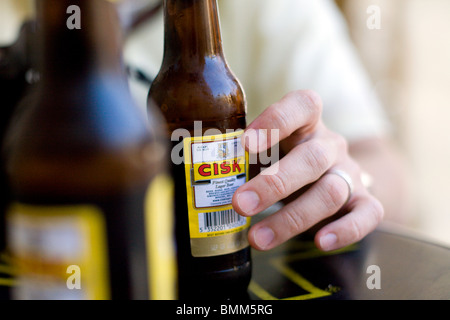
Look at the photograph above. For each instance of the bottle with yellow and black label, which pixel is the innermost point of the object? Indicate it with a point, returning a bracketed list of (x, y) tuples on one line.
[(91, 217), (205, 109)]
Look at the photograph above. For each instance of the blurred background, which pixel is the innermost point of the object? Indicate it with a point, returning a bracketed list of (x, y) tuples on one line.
[(408, 59)]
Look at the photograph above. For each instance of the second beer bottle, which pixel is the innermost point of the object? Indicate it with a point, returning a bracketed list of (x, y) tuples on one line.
[(205, 109), (91, 217)]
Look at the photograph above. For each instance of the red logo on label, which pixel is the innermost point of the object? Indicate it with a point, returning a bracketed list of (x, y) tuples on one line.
[(223, 168)]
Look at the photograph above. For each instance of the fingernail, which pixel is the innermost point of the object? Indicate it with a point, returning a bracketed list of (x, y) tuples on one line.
[(248, 201), (327, 242), (264, 237), (255, 140)]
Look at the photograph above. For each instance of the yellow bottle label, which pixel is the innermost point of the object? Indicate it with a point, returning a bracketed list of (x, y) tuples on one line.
[(160, 239), (60, 252), (215, 167)]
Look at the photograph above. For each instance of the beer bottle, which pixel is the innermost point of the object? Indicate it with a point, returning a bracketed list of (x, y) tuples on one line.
[(86, 168), (13, 69), (204, 106)]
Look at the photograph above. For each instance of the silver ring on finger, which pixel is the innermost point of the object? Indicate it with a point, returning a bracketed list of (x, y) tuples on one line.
[(348, 180)]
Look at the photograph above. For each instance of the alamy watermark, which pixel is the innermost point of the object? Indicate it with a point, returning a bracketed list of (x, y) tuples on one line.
[(373, 22), (74, 20), (74, 280), (258, 142), (374, 280)]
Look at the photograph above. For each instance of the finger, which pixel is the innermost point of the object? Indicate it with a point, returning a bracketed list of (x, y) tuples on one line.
[(303, 165), (297, 111), (352, 227), (322, 200)]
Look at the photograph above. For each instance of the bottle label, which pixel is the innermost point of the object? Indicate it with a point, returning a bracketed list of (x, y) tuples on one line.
[(160, 239), (215, 167), (59, 252)]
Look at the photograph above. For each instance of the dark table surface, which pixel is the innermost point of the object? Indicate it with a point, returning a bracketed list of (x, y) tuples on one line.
[(401, 265), (385, 265)]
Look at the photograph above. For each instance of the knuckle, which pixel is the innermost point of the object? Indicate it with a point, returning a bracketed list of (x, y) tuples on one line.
[(376, 210), (316, 157), (294, 221), (310, 102), (277, 183), (279, 117), (341, 142), (355, 230), (333, 192)]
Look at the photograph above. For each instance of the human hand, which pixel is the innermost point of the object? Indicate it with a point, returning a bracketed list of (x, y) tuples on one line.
[(314, 155)]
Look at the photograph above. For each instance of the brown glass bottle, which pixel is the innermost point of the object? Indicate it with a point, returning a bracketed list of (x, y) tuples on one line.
[(196, 84), (14, 64), (83, 163)]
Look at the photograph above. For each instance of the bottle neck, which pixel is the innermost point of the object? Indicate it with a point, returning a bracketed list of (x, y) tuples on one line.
[(77, 37), (192, 31)]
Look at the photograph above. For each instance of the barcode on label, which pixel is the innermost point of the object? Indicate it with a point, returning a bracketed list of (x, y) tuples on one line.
[(220, 220)]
